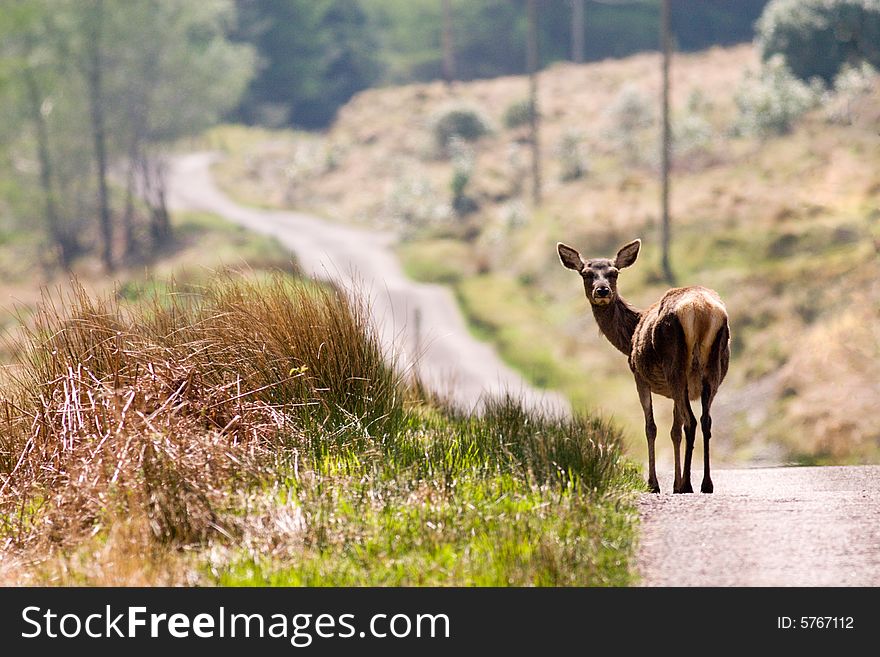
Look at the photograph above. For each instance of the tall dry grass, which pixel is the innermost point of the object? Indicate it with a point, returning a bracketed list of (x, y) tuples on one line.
[(162, 411)]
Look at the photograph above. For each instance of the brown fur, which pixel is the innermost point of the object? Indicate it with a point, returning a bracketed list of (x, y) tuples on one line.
[(677, 348)]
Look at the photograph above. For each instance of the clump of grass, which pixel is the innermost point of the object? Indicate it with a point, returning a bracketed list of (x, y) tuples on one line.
[(161, 408)]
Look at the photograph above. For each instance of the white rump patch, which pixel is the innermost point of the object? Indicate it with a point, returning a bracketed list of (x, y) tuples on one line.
[(702, 314)]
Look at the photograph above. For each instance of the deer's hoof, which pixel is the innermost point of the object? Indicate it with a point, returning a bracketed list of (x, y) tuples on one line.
[(686, 488), (707, 487), (653, 486)]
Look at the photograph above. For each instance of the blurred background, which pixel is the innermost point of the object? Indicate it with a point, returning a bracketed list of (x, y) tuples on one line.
[(482, 132)]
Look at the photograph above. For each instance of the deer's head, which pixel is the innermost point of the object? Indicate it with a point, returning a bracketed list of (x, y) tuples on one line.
[(599, 274)]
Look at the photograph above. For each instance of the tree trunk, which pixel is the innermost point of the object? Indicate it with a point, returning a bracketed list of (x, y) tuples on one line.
[(666, 142), (128, 236), (532, 65), (448, 44), (66, 247), (96, 101), (154, 187), (577, 31)]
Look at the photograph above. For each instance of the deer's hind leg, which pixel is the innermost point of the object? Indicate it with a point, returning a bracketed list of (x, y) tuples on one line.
[(706, 424), (674, 356), (690, 435)]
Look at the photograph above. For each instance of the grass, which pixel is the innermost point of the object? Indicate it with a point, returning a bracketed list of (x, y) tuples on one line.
[(251, 431), (505, 499)]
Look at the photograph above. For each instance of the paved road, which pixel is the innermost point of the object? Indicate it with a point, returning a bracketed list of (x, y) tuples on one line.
[(452, 361), (766, 527)]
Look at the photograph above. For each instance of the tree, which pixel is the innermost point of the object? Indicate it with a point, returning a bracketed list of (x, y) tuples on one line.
[(315, 55), (114, 81), (665, 141), (448, 43), (532, 65), (179, 74), (817, 37), (490, 34), (578, 27), (27, 36), (92, 32)]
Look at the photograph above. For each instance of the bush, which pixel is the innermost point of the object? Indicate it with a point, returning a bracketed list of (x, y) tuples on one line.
[(465, 123), (517, 114), (462, 157), (817, 37), (850, 85), (770, 102), (691, 137), (629, 113), (571, 156)]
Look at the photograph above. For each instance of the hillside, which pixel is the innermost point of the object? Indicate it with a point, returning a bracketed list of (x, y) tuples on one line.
[(784, 227)]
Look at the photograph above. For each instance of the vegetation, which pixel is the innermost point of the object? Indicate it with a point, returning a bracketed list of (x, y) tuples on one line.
[(315, 55), (517, 114), (489, 36), (458, 122), (93, 88), (771, 101), (253, 432), (571, 157), (818, 37)]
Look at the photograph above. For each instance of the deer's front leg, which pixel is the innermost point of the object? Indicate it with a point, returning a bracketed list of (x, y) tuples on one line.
[(650, 432)]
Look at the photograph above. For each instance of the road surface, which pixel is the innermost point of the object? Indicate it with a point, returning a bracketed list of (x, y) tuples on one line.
[(816, 526), (452, 361)]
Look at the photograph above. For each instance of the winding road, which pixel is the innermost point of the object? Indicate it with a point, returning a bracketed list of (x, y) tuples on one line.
[(452, 362), (762, 527)]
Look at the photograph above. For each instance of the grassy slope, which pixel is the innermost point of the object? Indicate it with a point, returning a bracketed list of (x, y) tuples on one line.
[(250, 448), (784, 228)]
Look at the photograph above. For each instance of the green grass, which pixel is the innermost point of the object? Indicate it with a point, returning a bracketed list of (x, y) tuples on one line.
[(511, 498), (444, 261)]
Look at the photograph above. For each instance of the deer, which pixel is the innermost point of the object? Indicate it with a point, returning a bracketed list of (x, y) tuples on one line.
[(678, 348)]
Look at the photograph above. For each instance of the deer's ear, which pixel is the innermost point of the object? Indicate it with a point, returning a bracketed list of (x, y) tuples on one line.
[(628, 254), (570, 257)]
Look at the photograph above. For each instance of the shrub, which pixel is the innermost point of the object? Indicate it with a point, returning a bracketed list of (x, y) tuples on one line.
[(770, 101), (629, 113), (517, 114), (465, 123), (850, 85), (691, 137), (818, 37), (462, 157), (571, 156)]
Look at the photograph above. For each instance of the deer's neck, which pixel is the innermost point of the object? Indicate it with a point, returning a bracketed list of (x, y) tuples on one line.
[(618, 321)]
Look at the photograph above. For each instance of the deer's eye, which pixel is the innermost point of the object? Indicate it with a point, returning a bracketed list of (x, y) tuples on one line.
[(612, 275)]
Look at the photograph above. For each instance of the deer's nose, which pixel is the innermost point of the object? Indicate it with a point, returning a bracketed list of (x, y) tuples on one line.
[(603, 291)]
